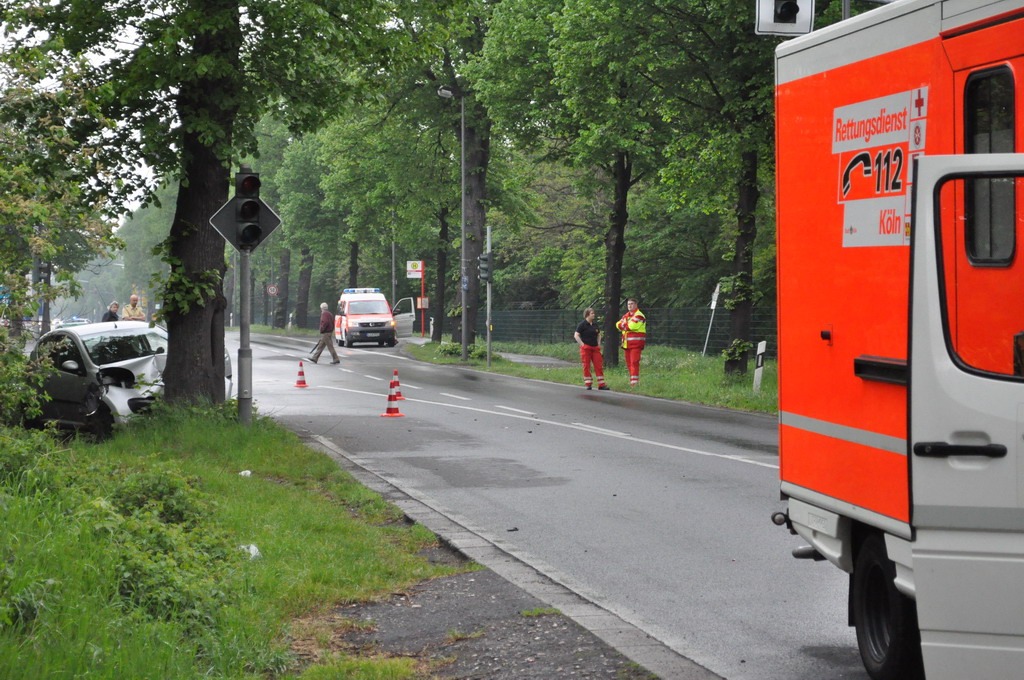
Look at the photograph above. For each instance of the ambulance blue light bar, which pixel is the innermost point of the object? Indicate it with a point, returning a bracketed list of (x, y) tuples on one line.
[(360, 290)]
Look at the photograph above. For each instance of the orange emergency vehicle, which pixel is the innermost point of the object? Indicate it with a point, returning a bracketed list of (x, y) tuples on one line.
[(901, 319)]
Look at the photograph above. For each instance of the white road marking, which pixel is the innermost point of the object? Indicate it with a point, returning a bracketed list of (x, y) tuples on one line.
[(515, 410), (594, 428), (373, 377), (572, 426)]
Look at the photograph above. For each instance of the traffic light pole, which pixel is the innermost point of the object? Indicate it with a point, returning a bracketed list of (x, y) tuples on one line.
[(244, 350)]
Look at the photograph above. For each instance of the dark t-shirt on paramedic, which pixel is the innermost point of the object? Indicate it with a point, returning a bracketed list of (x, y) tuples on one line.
[(588, 333)]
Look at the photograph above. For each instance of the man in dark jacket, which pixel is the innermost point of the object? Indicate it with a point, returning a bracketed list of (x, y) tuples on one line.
[(326, 333)]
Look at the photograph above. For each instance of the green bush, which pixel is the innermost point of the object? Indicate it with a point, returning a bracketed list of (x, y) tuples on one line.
[(172, 497), (454, 349)]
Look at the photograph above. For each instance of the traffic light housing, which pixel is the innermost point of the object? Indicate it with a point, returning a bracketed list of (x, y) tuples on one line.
[(786, 11), (485, 267), (248, 210), (784, 17)]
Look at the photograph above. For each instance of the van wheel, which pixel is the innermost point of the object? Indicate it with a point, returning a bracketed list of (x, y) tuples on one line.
[(885, 619)]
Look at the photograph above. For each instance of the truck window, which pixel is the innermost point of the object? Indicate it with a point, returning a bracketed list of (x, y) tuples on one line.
[(990, 203)]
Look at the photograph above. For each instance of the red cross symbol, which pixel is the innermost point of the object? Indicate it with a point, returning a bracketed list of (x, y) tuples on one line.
[(919, 102)]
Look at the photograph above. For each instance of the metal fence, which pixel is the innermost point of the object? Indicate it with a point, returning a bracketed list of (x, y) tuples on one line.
[(681, 327)]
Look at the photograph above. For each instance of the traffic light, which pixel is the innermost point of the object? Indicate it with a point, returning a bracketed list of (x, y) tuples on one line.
[(485, 267), (786, 11), (248, 209), (784, 17)]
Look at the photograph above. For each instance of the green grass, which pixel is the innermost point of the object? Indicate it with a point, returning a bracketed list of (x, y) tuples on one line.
[(95, 583), (665, 372)]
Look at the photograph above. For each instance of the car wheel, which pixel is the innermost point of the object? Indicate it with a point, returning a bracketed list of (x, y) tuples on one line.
[(348, 343), (101, 423), (380, 343), (885, 619), (392, 343)]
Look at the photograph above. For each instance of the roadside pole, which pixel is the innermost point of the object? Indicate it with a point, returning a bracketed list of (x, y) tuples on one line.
[(245, 221), (489, 299), (714, 303), (244, 349)]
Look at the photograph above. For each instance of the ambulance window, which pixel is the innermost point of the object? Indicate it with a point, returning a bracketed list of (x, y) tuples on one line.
[(990, 203)]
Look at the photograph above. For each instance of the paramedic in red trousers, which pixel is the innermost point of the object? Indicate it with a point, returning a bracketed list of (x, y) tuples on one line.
[(326, 333), (590, 350), (633, 326)]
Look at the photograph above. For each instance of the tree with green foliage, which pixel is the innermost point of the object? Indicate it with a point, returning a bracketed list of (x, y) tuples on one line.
[(564, 78), (716, 84), (186, 82), (51, 210)]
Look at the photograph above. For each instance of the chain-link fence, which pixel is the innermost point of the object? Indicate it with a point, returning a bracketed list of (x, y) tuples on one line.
[(688, 327)]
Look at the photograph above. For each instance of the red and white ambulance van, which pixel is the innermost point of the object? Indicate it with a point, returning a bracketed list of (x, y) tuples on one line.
[(364, 315), (899, 135)]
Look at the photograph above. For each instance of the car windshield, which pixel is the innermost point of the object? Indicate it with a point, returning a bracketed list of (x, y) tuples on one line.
[(110, 348), (368, 307)]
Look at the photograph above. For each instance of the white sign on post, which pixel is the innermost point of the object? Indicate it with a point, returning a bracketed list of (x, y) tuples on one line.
[(414, 269)]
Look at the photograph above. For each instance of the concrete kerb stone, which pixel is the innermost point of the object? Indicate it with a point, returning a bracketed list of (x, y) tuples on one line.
[(626, 638)]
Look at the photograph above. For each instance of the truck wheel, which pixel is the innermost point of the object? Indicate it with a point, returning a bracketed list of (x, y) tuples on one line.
[(885, 618)]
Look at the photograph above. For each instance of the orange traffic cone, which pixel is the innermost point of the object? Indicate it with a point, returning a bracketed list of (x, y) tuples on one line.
[(396, 386), (301, 382), (392, 411)]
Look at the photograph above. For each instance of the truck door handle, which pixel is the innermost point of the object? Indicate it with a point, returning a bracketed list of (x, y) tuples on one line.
[(944, 450)]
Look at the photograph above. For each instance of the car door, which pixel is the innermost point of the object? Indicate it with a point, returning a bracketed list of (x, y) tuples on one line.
[(68, 384), (966, 426), (405, 317)]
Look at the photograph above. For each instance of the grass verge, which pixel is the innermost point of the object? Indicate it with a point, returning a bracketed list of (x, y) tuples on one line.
[(665, 372), (129, 559)]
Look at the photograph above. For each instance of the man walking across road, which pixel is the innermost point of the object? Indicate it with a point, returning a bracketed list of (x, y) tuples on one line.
[(633, 326), (132, 311), (326, 335)]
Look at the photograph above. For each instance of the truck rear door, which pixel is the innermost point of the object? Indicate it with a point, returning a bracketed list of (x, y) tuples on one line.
[(967, 414)]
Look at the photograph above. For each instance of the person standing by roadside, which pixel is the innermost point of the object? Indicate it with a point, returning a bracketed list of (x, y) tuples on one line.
[(111, 313), (326, 335), (132, 311), (587, 335), (633, 326)]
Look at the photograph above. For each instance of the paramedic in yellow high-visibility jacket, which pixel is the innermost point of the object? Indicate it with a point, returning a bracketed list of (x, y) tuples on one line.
[(633, 326)]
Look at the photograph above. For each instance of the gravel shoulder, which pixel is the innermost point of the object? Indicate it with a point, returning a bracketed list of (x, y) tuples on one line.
[(476, 625)]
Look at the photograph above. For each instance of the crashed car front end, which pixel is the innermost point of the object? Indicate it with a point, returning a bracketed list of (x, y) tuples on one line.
[(131, 386)]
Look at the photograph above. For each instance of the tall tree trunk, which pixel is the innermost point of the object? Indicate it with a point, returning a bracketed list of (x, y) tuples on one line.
[(281, 311), (478, 156), (438, 305), (741, 297), (305, 278), (614, 249), (353, 265), (194, 302)]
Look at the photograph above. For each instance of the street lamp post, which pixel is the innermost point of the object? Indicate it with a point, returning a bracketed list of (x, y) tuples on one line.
[(449, 93)]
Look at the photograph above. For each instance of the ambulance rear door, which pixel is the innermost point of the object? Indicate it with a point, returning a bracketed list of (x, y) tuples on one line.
[(967, 418)]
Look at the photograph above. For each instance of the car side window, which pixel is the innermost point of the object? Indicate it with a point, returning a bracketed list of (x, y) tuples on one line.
[(61, 349)]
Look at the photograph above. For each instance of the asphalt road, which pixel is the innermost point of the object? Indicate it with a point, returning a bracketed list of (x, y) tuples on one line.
[(657, 511)]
